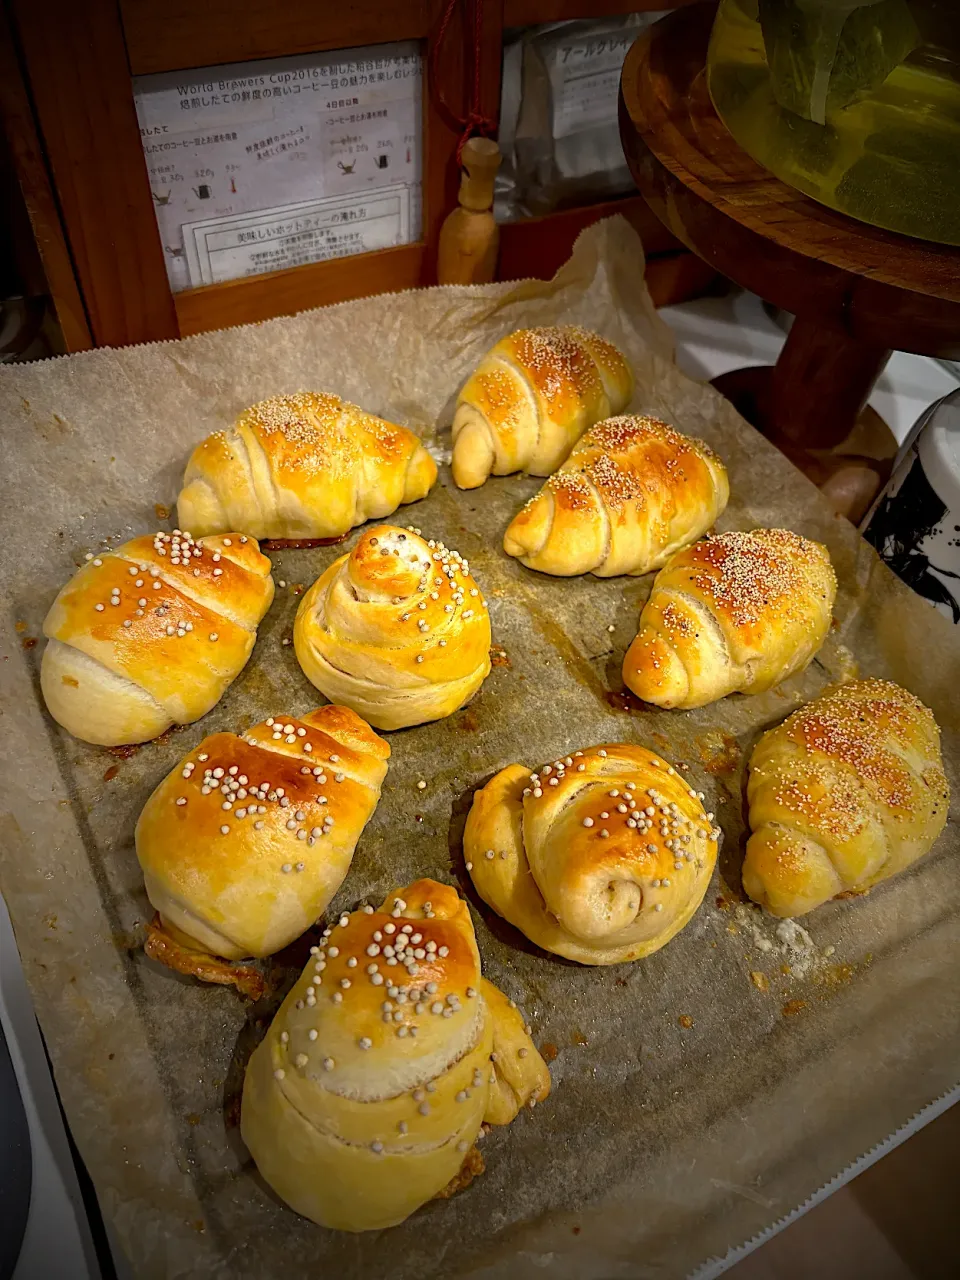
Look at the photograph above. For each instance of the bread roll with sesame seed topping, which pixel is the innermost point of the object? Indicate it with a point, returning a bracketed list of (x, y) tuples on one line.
[(151, 634), (302, 467), (531, 398), (397, 629), (248, 838), (368, 1091), (734, 613), (632, 492), (601, 857), (845, 793)]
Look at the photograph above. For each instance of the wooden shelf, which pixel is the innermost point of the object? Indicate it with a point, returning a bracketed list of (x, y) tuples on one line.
[(74, 64), (283, 293)]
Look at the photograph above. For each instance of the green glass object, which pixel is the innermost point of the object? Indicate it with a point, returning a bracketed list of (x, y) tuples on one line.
[(854, 102)]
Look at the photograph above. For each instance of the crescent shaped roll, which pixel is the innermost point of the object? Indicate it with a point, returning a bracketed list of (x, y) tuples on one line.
[(632, 492), (306, 466), (531, 398), (397, 630), (248, 838), (848, 791), (601, 857), (369, 1089), (736, 612), (151, 634)]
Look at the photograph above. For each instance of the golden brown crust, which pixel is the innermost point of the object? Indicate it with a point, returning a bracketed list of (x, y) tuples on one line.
[(531, 397), (246, 841), (303, 466), (601, 856), (734, 612), (472, 1167), (159, 945), (631, 493), (847, 792), (559, 367), (369, 1090), (173, 616), (397, 629)]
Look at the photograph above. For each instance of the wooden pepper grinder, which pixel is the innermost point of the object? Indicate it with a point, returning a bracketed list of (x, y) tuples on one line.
[(470, 237)]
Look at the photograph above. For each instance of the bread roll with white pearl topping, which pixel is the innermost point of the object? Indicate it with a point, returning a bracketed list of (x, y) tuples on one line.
[(369, 1089), (531, 398), (151, 634), (848, 791), (397, 630), (246, 841), (734, 613), (632, 492), (601, 857), (303, 467)]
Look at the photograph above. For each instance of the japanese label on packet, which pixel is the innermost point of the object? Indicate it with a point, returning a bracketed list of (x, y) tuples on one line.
[(584, 76), (257, 166)]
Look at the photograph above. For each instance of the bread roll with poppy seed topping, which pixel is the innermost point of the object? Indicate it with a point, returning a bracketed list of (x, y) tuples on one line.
[(736, 612), (366, 1095), (303, 467), (848, 791), (151, 634), (632, 492), (246, 841), (601, 857), (531, 398), (397, 630)]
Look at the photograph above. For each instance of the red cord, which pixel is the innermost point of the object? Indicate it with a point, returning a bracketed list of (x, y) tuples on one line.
[(474, 121)]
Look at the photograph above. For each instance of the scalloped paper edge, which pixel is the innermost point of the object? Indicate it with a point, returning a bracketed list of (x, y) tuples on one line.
[(710, 1268)]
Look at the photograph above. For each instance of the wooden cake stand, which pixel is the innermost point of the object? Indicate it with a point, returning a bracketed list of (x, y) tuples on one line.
[(857, 291)]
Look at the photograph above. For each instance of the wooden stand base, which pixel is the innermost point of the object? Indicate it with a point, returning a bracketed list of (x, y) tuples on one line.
[(850, 472)]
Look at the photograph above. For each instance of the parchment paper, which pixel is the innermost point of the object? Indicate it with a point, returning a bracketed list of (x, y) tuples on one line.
[(693, 1104)]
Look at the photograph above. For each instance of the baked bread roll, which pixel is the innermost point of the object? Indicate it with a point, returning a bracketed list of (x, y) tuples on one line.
[(847, 792), (397, 630), (151, 634), (632, 492), (245, 842), (601, 856), (368, 1092), (531, 398), (302, 467), (737, 612)]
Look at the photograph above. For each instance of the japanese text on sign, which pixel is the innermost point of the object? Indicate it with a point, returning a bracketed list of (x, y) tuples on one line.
[(339, 133)]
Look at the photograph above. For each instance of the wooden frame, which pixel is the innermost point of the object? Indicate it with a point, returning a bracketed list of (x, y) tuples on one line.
[(78, 57)]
